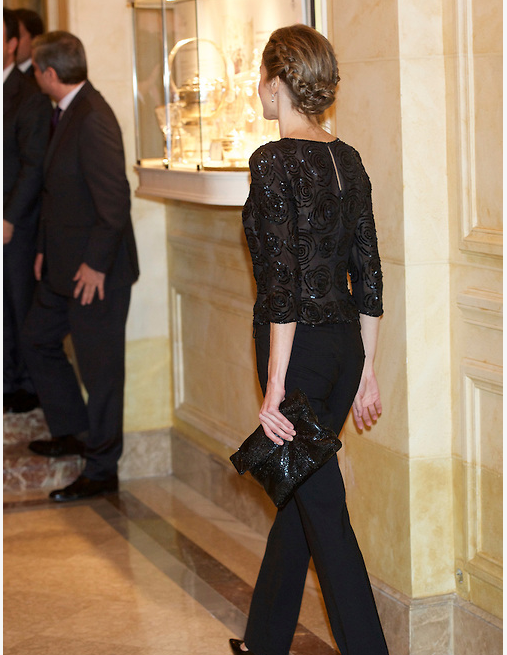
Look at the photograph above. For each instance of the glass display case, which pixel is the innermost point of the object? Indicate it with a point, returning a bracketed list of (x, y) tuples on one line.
[(196, 71)]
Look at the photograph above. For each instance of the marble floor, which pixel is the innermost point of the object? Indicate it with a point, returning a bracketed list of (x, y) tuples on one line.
[(156, 569)]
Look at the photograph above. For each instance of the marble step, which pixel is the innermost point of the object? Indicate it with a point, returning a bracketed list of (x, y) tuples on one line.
[(23, 428), (25, 471)]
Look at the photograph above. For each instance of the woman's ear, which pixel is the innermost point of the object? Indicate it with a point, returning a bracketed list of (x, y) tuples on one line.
[(274, 84)]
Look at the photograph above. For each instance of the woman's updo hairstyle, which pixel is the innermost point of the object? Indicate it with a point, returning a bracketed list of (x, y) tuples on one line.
[(305, 61)]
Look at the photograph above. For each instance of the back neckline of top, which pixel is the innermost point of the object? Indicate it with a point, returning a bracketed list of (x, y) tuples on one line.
[(295, 138)]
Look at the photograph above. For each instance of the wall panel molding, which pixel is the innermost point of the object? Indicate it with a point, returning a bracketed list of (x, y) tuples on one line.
[(226, 302), (198, 413), (474, 236), (228, 254), (482, 307), (177, 342), (481, 382)]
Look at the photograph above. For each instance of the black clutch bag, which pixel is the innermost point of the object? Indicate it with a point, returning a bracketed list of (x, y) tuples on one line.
[(282, 469)]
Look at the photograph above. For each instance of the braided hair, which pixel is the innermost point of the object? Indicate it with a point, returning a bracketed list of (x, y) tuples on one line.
[(306, 62)]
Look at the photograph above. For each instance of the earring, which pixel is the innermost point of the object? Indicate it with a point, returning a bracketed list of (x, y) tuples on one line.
[(272, 97)]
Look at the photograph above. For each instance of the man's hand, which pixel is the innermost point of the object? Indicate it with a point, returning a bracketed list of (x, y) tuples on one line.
[(37, 267), (88, 281), (8, 231)]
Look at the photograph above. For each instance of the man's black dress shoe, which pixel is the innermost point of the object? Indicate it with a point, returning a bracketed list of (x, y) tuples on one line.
[(58, 447), (83, 487), (235, 645), (20, 401)]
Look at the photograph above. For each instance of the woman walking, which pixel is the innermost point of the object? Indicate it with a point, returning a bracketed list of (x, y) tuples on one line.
[(311, 234)]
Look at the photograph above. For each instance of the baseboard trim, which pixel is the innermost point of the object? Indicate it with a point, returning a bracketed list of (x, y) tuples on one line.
[(145, 454)]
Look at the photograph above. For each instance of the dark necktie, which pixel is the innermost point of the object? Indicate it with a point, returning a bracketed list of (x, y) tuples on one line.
[(54, 120)]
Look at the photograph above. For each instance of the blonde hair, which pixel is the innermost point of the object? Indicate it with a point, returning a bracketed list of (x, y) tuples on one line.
[(306, 62)]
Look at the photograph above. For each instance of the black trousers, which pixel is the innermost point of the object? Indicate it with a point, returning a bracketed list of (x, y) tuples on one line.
[(18, 290), (98, 337), (326, 363)]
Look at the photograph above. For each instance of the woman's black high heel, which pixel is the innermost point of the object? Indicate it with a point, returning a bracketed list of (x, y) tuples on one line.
[(235, 645)]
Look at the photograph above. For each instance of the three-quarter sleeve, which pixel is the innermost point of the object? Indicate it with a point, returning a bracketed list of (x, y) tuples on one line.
[(270, 223), (364, 261)]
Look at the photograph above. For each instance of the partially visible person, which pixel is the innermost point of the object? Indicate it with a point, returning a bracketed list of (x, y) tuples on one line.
[(309, 225), (86, 263), (26, 122), (30, 26)]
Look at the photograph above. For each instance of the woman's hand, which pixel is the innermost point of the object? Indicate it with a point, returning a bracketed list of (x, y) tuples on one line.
[(276, 426), (367, 407)]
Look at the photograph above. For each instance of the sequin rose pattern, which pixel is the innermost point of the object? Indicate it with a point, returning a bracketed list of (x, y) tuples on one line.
[(311, 234)]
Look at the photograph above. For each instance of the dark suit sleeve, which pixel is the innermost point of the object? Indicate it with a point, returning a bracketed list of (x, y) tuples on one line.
[(32, 133), (41, 238), (102, 161)]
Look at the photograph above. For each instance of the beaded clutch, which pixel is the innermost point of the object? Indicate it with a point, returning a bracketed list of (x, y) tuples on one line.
[(282, 469)]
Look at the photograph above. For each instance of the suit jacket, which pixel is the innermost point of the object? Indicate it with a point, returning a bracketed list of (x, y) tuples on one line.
[(26, 121), (86, 198)]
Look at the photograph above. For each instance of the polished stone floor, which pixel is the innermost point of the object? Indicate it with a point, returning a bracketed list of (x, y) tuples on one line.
[(156, 569)]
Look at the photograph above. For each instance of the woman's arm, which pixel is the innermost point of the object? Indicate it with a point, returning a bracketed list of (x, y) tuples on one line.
[(275, 425), (367, 406)]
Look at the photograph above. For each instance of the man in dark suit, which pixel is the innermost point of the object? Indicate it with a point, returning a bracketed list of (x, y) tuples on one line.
[(30, 26), (86, 263), (26, 120)]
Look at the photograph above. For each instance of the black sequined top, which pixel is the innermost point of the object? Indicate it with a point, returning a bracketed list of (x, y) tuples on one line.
[(306, 229)]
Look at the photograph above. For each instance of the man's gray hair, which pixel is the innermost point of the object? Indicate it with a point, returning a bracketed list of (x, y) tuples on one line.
[(63, 52)]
